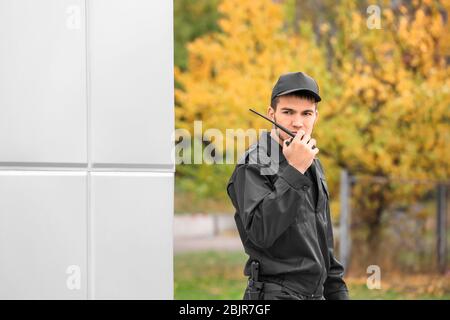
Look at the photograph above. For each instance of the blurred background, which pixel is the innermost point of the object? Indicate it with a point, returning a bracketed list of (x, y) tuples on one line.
[(384, 129)]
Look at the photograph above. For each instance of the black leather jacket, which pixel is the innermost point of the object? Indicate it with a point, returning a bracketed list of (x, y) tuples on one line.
[(280, 224)]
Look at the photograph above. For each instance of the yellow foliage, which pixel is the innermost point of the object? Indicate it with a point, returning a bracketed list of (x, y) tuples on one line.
[(235, 69), (386, 92)]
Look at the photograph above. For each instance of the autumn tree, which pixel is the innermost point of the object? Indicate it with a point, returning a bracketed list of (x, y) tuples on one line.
[(386, 92), (391, 118), (192, 19), (234, 69)]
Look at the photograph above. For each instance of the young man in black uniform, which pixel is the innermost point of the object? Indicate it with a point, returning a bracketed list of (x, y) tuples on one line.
[(280, 194)]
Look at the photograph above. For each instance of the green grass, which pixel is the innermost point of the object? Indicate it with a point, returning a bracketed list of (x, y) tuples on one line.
[(214, 275), (209, 275)]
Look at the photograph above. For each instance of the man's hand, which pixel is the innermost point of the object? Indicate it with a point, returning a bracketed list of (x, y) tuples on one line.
[(299, 152)]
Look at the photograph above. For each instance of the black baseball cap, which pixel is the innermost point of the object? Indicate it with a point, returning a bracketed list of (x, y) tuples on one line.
[(295, 81)]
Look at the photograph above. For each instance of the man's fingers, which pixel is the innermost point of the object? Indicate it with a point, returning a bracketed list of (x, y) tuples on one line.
[(299, 135), (306, 138), (311, 142)]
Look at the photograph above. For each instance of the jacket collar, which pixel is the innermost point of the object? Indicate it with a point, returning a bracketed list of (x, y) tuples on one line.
[(268, 146)]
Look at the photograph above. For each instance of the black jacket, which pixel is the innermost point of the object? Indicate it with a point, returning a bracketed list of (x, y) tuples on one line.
[(280, 224)]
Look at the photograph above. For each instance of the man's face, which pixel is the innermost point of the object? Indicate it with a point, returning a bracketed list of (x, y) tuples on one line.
[(295, 114)]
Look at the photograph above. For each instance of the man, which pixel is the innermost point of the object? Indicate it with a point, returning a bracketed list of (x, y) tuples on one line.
[(282, 211)]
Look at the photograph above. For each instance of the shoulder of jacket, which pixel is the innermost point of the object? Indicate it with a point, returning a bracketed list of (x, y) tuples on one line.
[(249, 154)]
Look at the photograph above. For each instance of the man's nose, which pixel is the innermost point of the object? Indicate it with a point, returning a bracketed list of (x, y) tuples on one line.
[(297, 122)]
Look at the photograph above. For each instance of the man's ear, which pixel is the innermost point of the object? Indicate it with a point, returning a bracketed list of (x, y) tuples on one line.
[(317, 116), (270, 113)]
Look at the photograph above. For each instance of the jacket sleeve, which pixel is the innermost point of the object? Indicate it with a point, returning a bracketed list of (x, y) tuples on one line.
[(267, 211), (334, 286)]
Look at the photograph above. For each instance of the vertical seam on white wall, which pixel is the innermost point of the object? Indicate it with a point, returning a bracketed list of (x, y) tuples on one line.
[(89, 219)]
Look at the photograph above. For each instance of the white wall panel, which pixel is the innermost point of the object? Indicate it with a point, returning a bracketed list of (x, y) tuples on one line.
[(42, 81), (131, 63), (86, 87), (132, 216), (42, 233)]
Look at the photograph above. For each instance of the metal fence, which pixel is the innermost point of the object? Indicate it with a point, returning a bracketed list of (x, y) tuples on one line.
[(414, 238)]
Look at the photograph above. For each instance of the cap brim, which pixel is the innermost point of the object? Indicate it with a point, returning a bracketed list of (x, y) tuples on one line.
[(316, 96)]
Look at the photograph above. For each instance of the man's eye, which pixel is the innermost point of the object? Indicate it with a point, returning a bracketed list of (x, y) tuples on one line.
[(286, 112)]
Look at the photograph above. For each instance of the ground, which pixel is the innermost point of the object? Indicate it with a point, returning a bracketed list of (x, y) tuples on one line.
[(218, 275)]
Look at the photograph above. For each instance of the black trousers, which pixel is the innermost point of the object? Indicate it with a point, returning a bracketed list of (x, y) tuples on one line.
[(274, 291)]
